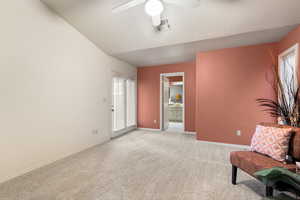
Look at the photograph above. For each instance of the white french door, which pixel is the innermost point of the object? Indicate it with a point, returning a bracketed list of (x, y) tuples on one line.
[(118, 104), (124, 105), (131, 103)]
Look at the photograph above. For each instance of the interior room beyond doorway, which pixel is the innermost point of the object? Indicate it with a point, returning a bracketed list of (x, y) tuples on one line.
[(173, 102)]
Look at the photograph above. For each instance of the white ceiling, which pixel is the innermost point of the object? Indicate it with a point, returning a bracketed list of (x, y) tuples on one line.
[(187, 51), (214, 24)]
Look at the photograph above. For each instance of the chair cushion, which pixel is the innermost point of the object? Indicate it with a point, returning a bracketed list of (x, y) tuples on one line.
[(252, 162), (294, 147)]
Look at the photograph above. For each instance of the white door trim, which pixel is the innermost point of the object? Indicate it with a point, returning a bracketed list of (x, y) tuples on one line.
[(161, 96)]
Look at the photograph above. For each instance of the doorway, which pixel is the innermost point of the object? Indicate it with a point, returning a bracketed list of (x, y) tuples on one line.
[(172, 102)]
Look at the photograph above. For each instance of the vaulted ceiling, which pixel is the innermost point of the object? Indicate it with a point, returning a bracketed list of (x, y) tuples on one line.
[(214, 24)]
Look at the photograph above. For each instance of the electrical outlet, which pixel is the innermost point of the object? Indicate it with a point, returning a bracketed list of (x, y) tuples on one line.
[(95, 131), (155, 121), (238, 132)]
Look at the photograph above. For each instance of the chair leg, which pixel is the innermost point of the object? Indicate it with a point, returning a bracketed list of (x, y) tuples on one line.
[(269, 191), (234, 174)]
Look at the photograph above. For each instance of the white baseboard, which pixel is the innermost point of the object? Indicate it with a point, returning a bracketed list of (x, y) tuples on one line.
[(122, 132), (190, 132), (149, 129), (246, 147), (158, 130)]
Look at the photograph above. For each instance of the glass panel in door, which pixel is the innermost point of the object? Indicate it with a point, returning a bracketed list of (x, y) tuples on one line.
[(131, 103), (118, 104)]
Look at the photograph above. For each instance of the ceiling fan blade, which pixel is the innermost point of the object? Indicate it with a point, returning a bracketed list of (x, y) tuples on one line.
[(184, 3), (127, 5)]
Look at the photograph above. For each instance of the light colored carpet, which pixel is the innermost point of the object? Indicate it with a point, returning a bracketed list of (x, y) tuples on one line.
[(142, 165), (175, 127)]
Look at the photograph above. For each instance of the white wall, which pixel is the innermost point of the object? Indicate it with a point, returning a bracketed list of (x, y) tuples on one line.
[(55, 88)]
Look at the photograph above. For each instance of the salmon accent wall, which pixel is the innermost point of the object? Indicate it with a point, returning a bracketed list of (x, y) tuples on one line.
[(228, 82), (221, 89), (149, 97)]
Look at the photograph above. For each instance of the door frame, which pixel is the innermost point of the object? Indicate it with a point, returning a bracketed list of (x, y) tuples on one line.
[(162, 75)]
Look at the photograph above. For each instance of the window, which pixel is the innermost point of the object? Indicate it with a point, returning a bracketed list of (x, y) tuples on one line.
[(288, 61)]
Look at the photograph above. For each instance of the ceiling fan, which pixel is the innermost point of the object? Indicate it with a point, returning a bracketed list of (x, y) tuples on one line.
[(155, 8)]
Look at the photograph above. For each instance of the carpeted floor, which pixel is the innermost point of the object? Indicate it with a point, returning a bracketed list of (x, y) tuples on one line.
[(142, 165)]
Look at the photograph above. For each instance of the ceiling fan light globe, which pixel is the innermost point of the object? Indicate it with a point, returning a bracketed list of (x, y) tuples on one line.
[(154, 7)]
